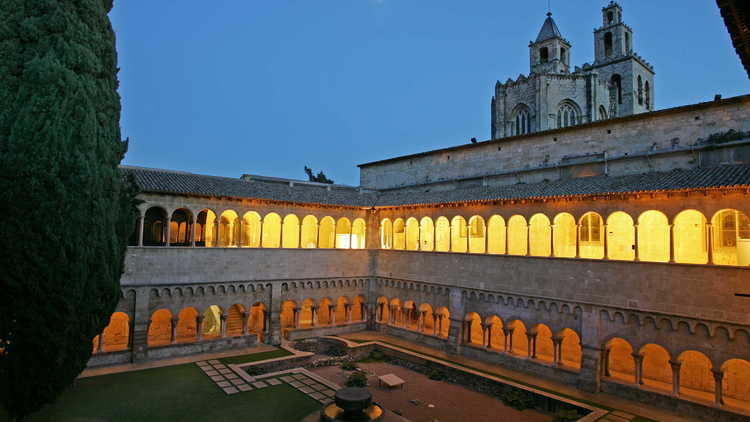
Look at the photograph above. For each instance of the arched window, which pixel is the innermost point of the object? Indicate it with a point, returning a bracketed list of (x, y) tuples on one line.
[(180, 228), (309, 236), (477, 234), (251, 230), (627, 43), (271, 230), (426, 234), (591, 236), (544, 55), (602, 113), (154, 227), (640, 90), (540, 236), (731, 238), (518, 236), (290, 232), (160, 328), (620, 237), (690, 238), (205, 229), (647, 88), (386, 234), (616, 88), (442, 235), (653, 237), (412, 234), (564, 236), (568, 114), (496, 235), (656, 372), (521, 123), (116, 335), (563, 55), (358, 234), (343, 233), (187, 325), (229, 229), (327, 233), (459, 234), (399, 235), (608, 44)]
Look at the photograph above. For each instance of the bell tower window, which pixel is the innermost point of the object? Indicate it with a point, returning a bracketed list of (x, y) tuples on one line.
[(544, 55), (610, 17), (608, 44)]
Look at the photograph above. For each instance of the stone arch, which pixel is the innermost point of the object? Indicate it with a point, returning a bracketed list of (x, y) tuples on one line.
[(116, 335), (155, 227), (251, 230), (518, 342), (343, 233), (386, 234), (339, 316), (271, 237), (309, 232), (540, 236), (290, 230), (653, 237), (399, 234), (496, 235), (442, 234), (229, 229), (412, 234), (518, 236), (181, 227), (619, 361), (521, 120), (736, 383), (384, 314), (620, 237), (570, 349), (359, 231), (426, 234), (731, 238), (444, 321), (591, 236), (696, 378), (459, 235), (544, 349), (477, 235), (496, 335), (235, 321), (327, 233), (564, 236), (474, 330), (205, 228), (160, 328), (568, 114), (690, 238), (657, 372)]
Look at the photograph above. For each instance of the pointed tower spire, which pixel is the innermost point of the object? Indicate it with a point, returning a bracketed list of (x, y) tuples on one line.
[(549, 30)]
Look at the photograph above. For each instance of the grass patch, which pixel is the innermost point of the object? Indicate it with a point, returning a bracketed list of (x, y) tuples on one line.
[(177, 393), (255, 357)]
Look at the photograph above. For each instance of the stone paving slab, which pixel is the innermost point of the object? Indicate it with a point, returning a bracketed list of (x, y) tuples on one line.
[(300, 376), (306, 390), (622, 414), (217, 378), (274, 381), (230, 390), (287, 378), (615, 418), (237, 381), (232, 376), (202, 363), (244, 387), (211, 373), (318, 387), (318, 396), (214, 361), (329, 393), (223, 384), (260, 384), (296, 384), (309, 381)]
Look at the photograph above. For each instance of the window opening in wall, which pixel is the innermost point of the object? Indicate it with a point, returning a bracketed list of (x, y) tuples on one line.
[(648, 96), (627, 43), (616, 86), (544, 55), (610, 17), (567, 115), (608, 44), (640, 90), (562, 55)]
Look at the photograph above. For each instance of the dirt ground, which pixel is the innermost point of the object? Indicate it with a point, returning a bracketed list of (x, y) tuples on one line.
[(451, 402)]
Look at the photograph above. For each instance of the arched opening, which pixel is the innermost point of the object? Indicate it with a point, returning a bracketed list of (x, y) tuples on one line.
[(521, 123), (544, 349), (212, 322), (358, 234), (519, 342), (343, 233), (160, 328), (396, 314), (426, 234), (410, 315), (591, 236), (324, 311), (386, 234), (180, 228), (309, 235), (306, 313), (339, 316), (518, 236), (271, 230), (616, 86), (568, 114), (640, 89), (290, 232), (570, 349), (608, 44), (657, 372), (540, 236), (696, 378), (564, 236), (251, 230), (620, 237), (428, 320), (399, 235), (154, 227), (653, 237), (187, 325), (442, 235), (602, 113), (497, 337), (383, 316), (257, 318), (286, 316), (496, 235), (474, 330), (327, 233), (619, 362), (647, 99), (205, 229), (477, 235), (736, 383), (412, 234), (690, 239), (229, 229), (731, 238), (444, 321), (235, 321), (544, 55), (459, 235), (357, 311), (116, 335)]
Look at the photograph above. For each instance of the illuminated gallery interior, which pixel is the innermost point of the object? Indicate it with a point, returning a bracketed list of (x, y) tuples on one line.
[(614, 268)]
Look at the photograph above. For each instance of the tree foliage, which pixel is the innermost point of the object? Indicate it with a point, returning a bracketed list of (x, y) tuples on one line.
[(66, 211), (320, 178)]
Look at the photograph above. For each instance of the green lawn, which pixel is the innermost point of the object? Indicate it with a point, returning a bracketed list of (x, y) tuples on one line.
[(255, 357), (175, 393)]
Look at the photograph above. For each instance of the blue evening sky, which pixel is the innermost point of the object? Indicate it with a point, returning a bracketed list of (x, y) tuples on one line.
[(227, 87)]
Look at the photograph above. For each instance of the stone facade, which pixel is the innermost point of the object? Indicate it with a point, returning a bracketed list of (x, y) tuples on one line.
[(618, 83)]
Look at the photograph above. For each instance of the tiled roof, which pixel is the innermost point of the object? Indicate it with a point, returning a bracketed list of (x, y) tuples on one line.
[(736, 14), (549, 30), (184, 183), (715, 177), (174, 182)]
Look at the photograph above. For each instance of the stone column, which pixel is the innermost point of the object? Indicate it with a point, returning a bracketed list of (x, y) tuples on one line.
[(314, 310), (295, 317), (578, 240), (245, 325), (589, 378), (223, 320), (718, 387), (675, 377), (488, 328), (140, 325), (173, 338), (710, 240), (422, 318), (199, 327), (348, 313), (140, 230), (532, 345), (635, 243), (332, 311), (638, 368), (556, 342), (605, 363), (506, 338), (509, 338), (267, 330), (605, 241), (455, 334), (435, 319), (168, 228), (671, 240), (193, 225)]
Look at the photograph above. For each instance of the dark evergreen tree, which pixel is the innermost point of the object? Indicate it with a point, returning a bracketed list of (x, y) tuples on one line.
[(320, 178), (66, 212)]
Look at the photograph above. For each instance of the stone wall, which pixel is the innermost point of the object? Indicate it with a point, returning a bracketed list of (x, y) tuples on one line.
[(644, 136)]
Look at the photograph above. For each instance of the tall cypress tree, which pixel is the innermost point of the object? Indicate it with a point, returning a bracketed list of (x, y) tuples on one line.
[(65, 211)]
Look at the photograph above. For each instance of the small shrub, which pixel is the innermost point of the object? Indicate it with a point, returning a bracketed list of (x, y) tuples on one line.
[(569, 415), (436, 375), (254, 371), (377, 355), (336, 351), (348, 366), (357, 379), (518, 399)]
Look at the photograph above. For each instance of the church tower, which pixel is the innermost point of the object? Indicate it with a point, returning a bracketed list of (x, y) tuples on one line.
[(550, 53), (614, 39)]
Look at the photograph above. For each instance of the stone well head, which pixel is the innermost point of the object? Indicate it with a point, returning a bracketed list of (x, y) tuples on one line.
[(352, 405)]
